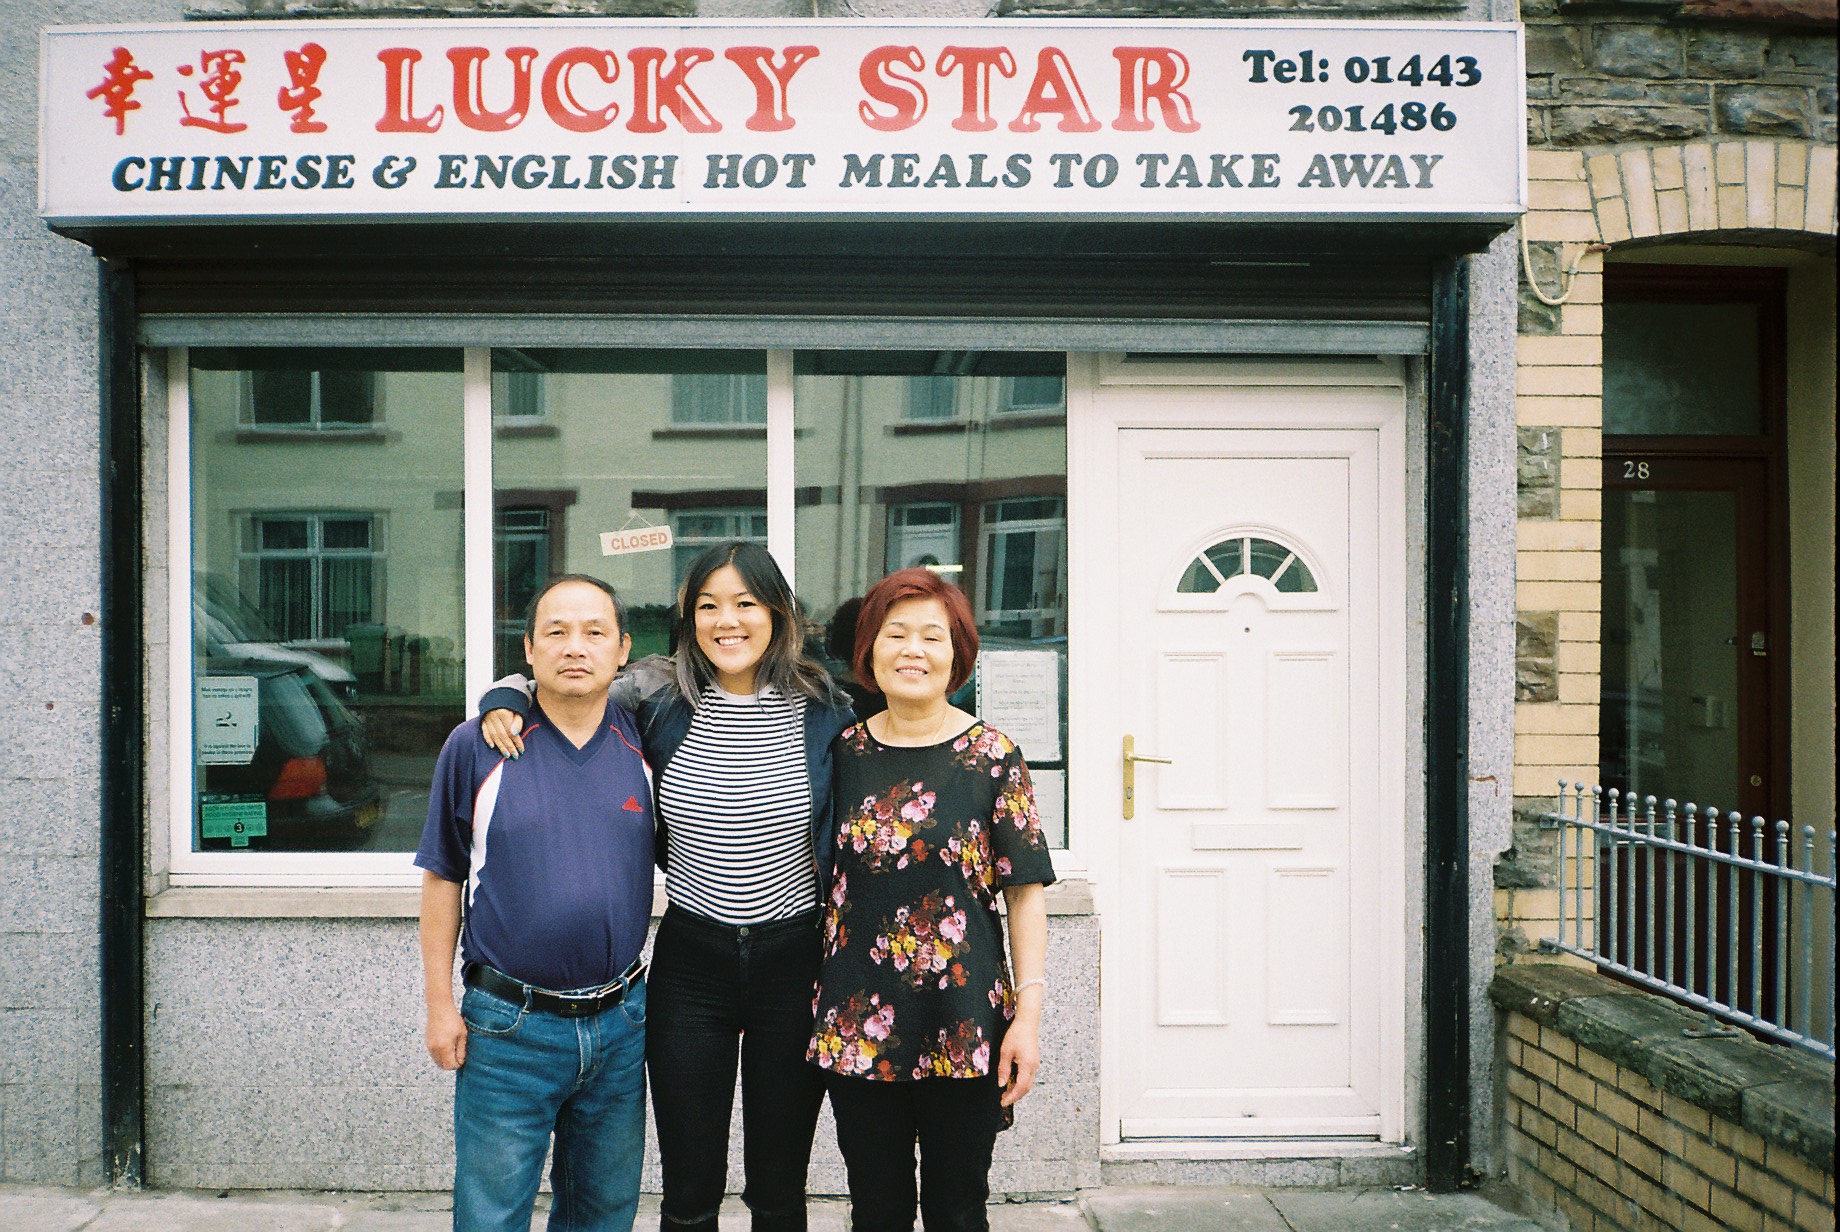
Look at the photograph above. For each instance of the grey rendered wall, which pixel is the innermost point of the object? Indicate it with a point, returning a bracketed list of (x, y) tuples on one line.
[(50, 1123), (287, 1053)]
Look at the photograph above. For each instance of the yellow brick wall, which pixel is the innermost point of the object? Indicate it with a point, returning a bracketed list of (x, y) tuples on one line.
[(1583, 201), (1598, 1145)]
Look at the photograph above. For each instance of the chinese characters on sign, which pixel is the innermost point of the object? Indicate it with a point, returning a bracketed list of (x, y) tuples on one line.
[(452, 118)]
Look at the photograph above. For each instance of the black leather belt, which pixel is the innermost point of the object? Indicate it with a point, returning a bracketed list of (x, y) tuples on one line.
[(562, 1004)]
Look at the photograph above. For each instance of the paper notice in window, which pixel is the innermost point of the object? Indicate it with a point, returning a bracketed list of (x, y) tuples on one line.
[(1019, 694), (226, 719)]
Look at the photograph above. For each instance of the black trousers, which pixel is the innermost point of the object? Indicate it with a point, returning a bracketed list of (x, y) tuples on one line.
[(953, 1120), (720, 993)]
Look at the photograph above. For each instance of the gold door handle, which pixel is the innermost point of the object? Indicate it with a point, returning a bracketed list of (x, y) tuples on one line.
[(1131, 758)]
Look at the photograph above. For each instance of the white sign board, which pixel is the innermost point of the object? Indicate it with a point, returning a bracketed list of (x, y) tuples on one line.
[(638, 539), (364, 120), (228, 720), (1019, 694)]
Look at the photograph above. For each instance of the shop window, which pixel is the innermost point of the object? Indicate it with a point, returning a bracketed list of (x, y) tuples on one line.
[(992, 520), (325, 665)]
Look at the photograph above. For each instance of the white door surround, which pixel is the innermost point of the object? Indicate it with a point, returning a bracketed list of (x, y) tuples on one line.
[(1254, 910)]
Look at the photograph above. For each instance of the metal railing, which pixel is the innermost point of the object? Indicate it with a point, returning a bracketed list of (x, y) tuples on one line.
[(1731, 917)]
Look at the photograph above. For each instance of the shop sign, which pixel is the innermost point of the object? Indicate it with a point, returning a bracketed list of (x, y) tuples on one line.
[(478, 119), (638, 539)]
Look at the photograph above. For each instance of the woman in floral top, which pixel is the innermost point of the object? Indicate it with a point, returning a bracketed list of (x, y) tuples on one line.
[(926, 1036)]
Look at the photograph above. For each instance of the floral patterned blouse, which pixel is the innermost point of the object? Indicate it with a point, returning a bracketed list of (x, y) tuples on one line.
[(915, 982)]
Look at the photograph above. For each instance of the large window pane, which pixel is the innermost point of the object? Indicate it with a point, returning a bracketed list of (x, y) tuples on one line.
[(326, 544), (956, 462), (589, 442)]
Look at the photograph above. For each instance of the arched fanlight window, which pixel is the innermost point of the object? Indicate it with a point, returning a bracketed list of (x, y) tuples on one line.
[(1250, 556)]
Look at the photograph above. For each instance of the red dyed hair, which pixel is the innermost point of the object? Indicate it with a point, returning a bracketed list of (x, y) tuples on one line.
[(915, 584)]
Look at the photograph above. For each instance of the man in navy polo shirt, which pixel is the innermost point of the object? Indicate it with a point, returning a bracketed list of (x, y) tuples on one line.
[(552, 856)]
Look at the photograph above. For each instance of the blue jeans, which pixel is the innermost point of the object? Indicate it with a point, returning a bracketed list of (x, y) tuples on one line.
[(529, 1074)]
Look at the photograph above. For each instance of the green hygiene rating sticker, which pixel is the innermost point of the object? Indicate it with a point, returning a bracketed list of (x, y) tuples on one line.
[(237, 821)]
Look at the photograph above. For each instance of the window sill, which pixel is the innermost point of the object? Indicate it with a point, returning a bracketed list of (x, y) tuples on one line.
[(296, 436), (1027, 419), (929, 427), (713, 432), (523, 431), (1072, 897)]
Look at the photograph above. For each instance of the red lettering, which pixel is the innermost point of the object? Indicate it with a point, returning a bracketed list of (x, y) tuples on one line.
[(559, 96), (302, 90), (656, 91), (1138, 88), (974, 64), (399, 94), (770, 81), (120, 75), (469, 88), (218, 84), (882, 84), (1055, 91)]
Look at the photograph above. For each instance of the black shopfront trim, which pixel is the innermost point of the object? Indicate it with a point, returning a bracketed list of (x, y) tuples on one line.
[(1042, 271)]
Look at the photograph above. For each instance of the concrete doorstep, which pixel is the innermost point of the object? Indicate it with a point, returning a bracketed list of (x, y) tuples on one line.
[(1110, 1209)]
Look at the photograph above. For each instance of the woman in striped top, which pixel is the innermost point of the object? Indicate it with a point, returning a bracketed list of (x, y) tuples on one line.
[(739, 740)]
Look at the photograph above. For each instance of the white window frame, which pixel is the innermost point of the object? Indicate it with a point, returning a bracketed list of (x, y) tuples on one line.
[(317, 554), (186, 867)]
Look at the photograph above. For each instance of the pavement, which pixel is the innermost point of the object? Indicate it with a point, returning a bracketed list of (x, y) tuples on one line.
[(1108, 1209)]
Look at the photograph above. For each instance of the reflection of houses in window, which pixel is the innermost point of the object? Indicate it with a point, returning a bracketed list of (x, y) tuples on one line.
[(719, 399), (692, 530), (1025, 565), (313, 575), (518, 398), (1034, 395), (931, 399), (924, 533), (308, 400), (527, 548)]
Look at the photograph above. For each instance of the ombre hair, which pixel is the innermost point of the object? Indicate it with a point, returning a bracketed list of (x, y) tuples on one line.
[(915, 584), (784, 665)]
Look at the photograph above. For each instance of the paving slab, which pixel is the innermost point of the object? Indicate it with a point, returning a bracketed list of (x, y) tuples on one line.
[(1393, 1210), (1160, 1208), (53, 1210)]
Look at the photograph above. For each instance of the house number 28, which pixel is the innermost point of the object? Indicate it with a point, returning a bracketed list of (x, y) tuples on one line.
[(1635, 470)]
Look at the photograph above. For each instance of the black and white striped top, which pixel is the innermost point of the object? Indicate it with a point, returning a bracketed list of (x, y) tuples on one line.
[(736, 802)]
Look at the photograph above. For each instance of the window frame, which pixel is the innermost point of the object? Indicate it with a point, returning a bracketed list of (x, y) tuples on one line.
[(316, 424), (167, 337)]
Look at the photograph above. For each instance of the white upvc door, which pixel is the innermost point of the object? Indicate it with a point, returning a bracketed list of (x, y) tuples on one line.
[(1252, 521)]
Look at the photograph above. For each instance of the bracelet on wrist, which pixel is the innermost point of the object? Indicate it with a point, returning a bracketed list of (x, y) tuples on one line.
[(1042, 980)]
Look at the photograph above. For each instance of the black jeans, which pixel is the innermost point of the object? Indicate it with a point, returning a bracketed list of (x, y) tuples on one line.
[(955, 1123), (718, 991)]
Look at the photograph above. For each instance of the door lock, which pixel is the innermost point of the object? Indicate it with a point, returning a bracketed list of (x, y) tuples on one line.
[(1131, 758), (1760, 645)]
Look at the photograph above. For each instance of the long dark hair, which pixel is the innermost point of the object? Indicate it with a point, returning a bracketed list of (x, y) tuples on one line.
[(785, 666)]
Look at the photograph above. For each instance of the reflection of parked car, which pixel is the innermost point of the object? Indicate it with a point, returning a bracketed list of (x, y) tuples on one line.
[(308, 783)]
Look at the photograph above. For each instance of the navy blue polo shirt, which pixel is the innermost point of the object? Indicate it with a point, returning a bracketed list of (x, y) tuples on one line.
[(554, 850)]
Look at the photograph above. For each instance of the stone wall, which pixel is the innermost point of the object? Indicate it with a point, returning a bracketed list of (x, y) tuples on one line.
[(1624, 1113), (1607, 74)]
